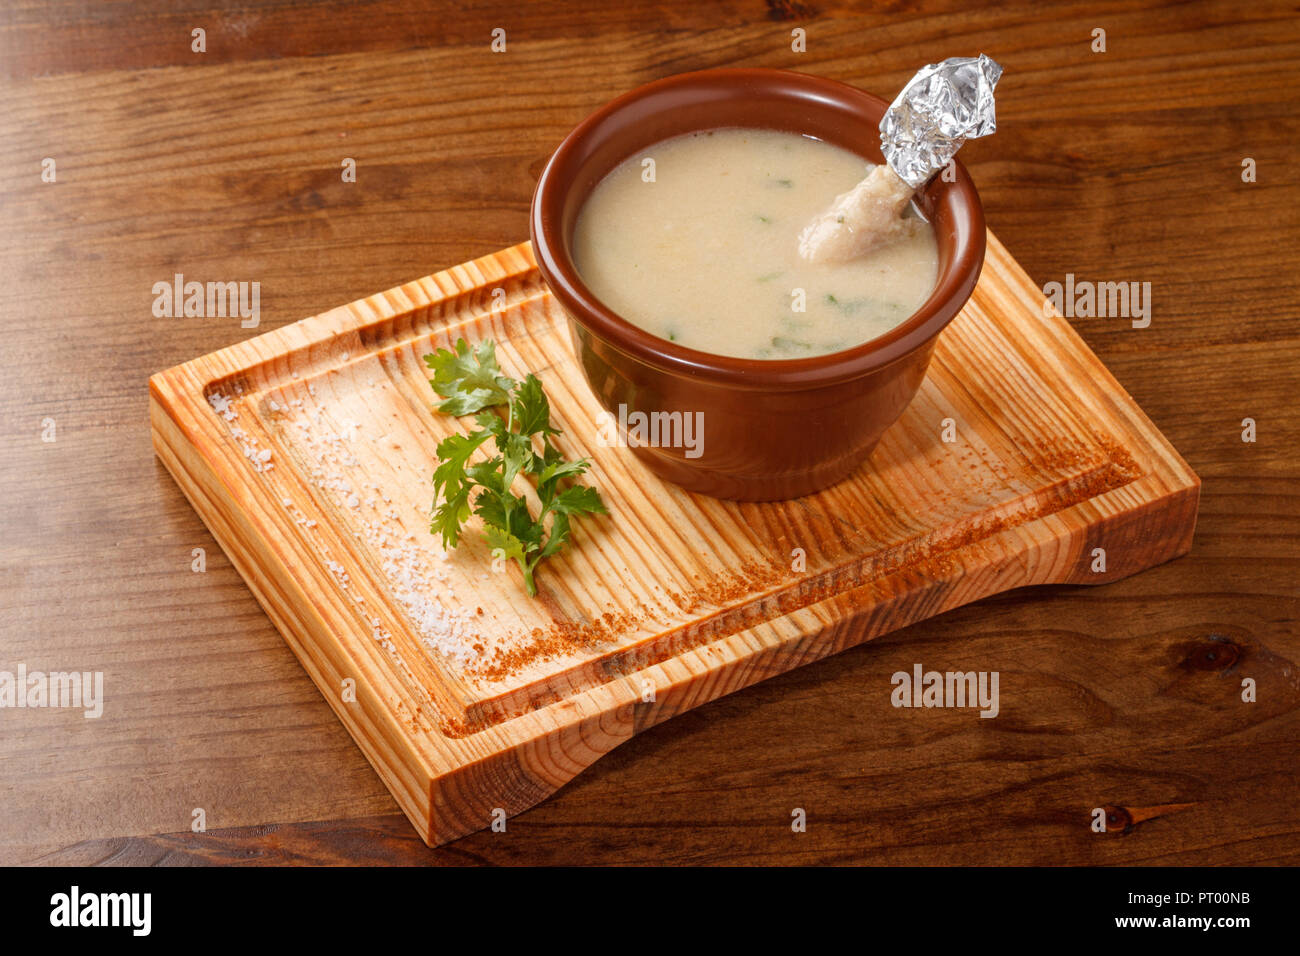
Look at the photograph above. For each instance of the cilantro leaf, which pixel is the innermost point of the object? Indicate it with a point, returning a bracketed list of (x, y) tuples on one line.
[(453, 453), (450, 515), (551, 473), (577, 500), (531, 410), (557, 538), (511, 548), (469, 381), (516, 454)]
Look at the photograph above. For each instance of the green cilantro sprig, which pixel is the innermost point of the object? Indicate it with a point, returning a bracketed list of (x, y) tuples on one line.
[(470, 383)]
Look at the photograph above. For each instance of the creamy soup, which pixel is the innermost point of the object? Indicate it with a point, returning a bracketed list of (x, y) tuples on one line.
[(701, 247)]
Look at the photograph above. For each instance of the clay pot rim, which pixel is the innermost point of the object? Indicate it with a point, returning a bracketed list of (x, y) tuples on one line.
[(551, 246)]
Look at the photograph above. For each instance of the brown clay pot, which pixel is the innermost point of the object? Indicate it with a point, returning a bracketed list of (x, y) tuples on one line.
[(771, 428)]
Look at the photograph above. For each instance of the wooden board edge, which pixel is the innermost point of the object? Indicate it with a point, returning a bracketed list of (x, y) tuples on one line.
[(1089, 366), (404, 770), (1056, 547)]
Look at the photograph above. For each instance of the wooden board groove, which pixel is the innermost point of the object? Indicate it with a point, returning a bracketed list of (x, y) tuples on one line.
[(690, 596)]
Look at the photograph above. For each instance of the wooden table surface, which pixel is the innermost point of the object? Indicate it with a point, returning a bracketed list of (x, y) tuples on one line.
[(1122, 165)]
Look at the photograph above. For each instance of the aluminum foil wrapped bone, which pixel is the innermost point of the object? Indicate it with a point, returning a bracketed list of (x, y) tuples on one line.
[(944, 105)]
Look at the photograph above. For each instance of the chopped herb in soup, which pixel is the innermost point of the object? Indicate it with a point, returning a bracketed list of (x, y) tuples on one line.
[(705, 252)]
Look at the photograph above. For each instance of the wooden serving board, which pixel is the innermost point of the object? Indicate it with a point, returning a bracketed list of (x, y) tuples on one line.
[(308, 451)]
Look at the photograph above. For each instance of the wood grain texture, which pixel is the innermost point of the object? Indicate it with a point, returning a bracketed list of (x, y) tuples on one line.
[(1117, 166), (307, 451)]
